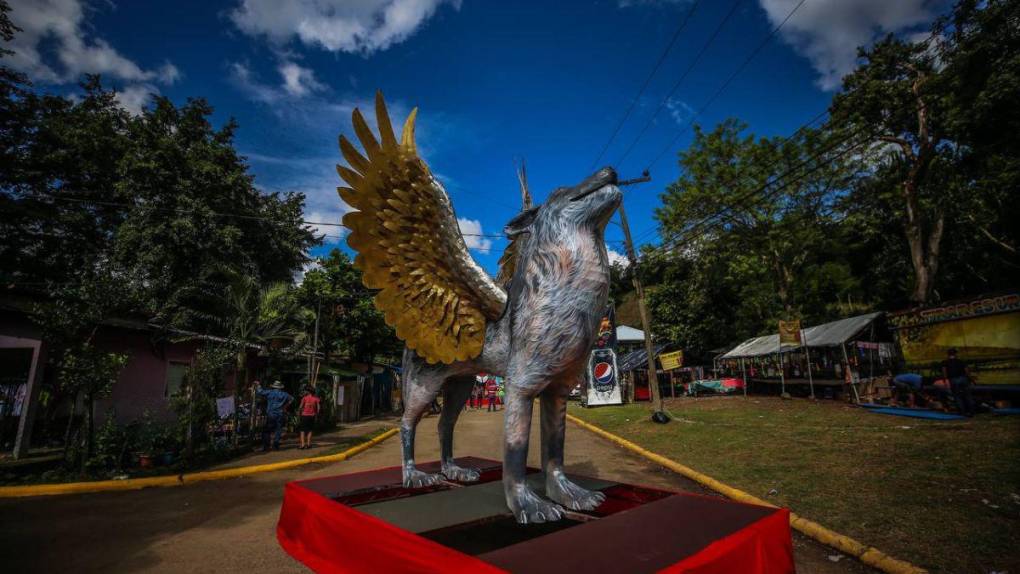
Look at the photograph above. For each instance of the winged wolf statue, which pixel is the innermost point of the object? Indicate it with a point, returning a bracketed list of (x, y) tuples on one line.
[(534, 324)]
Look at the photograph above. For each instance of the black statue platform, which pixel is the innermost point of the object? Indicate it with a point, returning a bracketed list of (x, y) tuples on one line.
[(368, 522)]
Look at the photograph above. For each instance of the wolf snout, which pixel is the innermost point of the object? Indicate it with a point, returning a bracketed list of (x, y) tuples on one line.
[(596, 181)]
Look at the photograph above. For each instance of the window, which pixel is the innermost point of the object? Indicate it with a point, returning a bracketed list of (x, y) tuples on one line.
[(174, 378)]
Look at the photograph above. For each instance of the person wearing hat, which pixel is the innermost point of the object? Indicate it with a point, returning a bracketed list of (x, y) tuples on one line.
[(277, 400), (958, 374)]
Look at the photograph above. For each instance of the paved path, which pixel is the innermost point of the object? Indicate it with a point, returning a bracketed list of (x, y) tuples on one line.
[(229, 525)]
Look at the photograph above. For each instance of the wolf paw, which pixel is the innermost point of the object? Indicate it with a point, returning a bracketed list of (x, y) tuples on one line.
[(459, 474), (529, 508), (565, 492), (419, 479)]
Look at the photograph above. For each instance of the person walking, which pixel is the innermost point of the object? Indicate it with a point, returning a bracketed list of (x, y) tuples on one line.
[(476, 396), (958, 374), (308, 410), (491, 388), (277, 400)]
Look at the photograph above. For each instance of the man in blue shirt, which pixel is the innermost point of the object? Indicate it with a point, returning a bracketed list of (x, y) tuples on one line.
[(277, 400)]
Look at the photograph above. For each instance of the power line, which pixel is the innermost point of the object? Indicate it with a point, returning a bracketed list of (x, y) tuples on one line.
[(702, 225), (648, 80), (769, 194), (726, 84), (781, 142), (222, 214), (676, 85)]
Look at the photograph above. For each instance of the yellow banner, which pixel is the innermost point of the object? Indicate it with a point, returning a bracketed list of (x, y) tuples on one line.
[(671, 361), (991, 343), (789, 332)]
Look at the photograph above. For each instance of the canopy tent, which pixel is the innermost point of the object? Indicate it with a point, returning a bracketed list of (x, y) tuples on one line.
[(625, 334), (637, 359), (831, 334)]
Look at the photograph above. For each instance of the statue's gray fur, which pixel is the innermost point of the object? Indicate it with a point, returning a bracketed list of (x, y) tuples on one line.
[(556, 299)]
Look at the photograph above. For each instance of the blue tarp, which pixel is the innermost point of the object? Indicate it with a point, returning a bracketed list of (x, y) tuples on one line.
[(915, 413)]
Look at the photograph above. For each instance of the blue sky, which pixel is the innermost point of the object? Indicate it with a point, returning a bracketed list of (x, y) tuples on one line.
[(494, 81)]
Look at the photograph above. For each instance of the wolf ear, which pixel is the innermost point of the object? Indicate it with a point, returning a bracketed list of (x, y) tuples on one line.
[(521, 223)]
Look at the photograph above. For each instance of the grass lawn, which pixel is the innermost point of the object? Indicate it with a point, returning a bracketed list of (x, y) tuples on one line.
[(943, 495)]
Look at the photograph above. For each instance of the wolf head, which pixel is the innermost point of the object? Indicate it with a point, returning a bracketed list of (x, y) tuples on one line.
[(586, 206)]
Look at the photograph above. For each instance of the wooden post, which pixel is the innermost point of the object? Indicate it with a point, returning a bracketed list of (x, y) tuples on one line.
[(807, 353), (848, 374), (653, 379), (743, 373), (782, 374), (23, 438)]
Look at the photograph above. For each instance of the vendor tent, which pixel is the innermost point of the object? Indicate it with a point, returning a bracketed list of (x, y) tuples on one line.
[(637, 359), (831, 334), (625, 334)]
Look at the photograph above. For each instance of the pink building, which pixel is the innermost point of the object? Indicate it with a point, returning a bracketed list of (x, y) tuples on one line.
[(157, 362)]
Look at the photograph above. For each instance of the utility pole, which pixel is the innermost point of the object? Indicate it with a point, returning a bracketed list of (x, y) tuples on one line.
[(653, 378), (315, 345)]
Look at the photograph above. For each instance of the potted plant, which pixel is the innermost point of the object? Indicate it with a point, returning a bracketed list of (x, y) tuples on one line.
[(146, 441)]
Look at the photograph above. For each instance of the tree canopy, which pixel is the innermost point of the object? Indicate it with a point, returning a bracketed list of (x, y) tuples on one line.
[(904, 197)]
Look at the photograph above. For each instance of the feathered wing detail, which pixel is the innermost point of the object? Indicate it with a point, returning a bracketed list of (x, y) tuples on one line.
[(508, 261), (410, 247)]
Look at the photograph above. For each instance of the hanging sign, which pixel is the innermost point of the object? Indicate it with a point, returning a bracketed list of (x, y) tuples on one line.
[(607, 329), (789, 332), (671, 361), (224, 407), (603, 383)]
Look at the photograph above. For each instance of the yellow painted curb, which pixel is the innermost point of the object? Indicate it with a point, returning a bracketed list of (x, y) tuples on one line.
[(177, 480), (866, 554)]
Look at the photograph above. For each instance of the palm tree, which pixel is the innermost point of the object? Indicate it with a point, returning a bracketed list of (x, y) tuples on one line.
[(259, 315)]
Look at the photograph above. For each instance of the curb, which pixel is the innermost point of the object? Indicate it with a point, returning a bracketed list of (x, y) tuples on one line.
[(178, 480), (867, 554)]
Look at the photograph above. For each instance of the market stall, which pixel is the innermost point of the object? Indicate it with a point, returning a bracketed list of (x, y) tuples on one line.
[(837, 357)]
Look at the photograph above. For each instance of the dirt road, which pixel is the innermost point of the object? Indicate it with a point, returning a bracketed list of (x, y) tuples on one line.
[(229, 525)]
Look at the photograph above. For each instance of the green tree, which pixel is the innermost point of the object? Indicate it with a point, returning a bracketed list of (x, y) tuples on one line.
[(768, 201), (349, 323), (942, 116), (195, 212), (58, 188)]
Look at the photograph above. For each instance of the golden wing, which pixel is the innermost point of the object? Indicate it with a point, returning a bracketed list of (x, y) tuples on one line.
[(508, 261), (409, 245)]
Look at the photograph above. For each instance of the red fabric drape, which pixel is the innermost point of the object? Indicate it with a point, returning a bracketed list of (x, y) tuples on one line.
[(332, 538), (764, 547)]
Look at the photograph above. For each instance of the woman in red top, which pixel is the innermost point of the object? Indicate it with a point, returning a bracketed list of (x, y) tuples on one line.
[(308, 409)]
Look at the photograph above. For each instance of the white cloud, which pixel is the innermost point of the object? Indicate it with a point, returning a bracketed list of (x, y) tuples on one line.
[(299, 81), (356, 26), (54, 47), (134, 97), (472, 229), (828, 32), (617, 258), (679, 111), (326, 214)]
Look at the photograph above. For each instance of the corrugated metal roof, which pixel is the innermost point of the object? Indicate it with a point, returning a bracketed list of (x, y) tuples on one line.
[(637, 359), (625, 333), (825, 335)]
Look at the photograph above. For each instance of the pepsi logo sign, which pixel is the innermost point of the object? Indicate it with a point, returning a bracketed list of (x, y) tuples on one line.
[(603, 376)]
